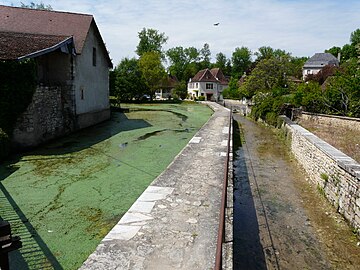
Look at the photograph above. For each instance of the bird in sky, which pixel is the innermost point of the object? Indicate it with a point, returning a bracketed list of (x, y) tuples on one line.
[(216, 24)]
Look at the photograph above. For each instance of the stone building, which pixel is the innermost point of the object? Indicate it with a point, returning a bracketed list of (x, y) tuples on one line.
[(72, 71)]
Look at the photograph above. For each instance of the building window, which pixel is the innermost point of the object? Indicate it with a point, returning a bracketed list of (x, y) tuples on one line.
[(82, 93), (209, 86), (308, 71), (94, 57), (196, 85)]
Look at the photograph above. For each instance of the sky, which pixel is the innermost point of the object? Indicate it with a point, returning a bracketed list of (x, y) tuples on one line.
[(301, 27)]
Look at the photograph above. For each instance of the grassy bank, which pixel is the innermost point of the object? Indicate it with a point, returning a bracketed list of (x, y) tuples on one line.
[(65, 196)]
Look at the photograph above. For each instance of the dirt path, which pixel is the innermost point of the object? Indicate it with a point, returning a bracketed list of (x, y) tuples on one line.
[(280, 222)]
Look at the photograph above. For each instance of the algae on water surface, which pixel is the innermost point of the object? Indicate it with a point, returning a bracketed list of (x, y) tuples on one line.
[(66, 195)]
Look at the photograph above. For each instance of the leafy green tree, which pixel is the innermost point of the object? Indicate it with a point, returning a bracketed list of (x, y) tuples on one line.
[(267, 75), (241, 61), (178, 61), (355, 37), (184, 62), (342, 95), (348, 51), (221, 61), (151, 41), (153, 72), (33, 5), (309, 96), (232, 91), (205, 55), (128, 83), (296, 66), (334, 51), (266, 52), (180, 90)]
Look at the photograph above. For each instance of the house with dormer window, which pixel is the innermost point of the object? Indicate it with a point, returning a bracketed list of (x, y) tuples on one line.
[(209, 83)]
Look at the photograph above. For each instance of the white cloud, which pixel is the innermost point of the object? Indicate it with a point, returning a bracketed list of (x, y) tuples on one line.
[(300, 27)]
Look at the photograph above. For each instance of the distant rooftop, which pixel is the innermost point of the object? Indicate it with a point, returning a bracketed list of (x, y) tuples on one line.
[(321, 60)]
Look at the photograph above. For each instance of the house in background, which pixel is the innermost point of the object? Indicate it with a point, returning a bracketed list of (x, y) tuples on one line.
[(165, 91), (318, 62), (208, 83), (72, 71)]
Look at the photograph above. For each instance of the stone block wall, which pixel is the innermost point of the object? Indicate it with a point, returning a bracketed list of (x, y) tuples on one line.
[(51, 114), (330, 120), (336, 175)]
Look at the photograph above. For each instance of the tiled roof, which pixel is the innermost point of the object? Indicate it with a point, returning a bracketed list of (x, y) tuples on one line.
[(53, 23), (44, 22), (204, 76), (217, 73), (321, 60), (16, 45)]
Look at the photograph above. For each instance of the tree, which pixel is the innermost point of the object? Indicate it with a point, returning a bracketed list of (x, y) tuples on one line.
[(127, 81), (355, 37), (40, 6), (241, 61), (183, 62), (221, 61), (178, 61), (334, 51), (342, 95), (205, 55), (150, 41), (180, 90), (266, 52), (266, 76), (153, 72), (348, 51), (232, 91)]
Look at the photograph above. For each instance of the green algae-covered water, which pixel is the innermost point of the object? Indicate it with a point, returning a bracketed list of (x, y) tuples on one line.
[(65, 196)]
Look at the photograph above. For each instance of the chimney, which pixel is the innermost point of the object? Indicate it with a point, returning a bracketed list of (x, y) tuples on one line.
[(339, 56)]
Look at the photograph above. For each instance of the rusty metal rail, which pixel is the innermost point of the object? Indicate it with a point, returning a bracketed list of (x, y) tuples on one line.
[(221, 231)]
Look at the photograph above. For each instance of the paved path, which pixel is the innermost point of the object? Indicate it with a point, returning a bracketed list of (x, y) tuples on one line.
[(174, 223)]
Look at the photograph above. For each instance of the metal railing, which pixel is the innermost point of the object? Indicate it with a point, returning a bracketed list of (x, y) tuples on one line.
[(221, 231)]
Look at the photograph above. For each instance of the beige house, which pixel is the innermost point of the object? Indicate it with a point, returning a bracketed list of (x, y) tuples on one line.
[(208, 83), (72, 70)]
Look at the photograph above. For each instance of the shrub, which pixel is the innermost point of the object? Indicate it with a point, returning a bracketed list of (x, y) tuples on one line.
[(201, 98)]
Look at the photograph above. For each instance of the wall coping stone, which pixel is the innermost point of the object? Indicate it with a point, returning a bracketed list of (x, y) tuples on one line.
[(342, 160), (332, 116)]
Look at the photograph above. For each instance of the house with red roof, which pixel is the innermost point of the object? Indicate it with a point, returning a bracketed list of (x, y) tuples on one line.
[(72, 70), (208, 83)]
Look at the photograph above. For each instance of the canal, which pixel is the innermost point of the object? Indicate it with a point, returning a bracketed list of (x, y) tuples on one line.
[(280, 220)]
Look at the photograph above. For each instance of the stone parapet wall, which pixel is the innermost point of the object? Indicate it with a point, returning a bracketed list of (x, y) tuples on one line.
[(330, 120), (336, 175)]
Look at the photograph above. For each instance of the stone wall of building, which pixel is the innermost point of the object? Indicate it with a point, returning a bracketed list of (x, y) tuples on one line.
[(336, 175), (51, 114), (330, 120)]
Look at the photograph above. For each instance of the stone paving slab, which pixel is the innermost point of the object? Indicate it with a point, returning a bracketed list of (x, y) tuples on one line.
[(174, 223)]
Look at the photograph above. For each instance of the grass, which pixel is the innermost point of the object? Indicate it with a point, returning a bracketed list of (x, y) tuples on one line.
[(64, 197), (344, 139)]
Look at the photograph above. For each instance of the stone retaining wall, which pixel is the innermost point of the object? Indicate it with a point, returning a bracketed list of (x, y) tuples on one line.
[(330, 120), (336, 175)]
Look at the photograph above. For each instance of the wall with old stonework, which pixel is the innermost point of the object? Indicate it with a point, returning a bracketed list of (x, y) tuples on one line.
[(330, 120), (51, 114), (336, 175)]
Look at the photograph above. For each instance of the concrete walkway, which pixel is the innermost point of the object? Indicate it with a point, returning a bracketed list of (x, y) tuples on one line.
[(174, 223)]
